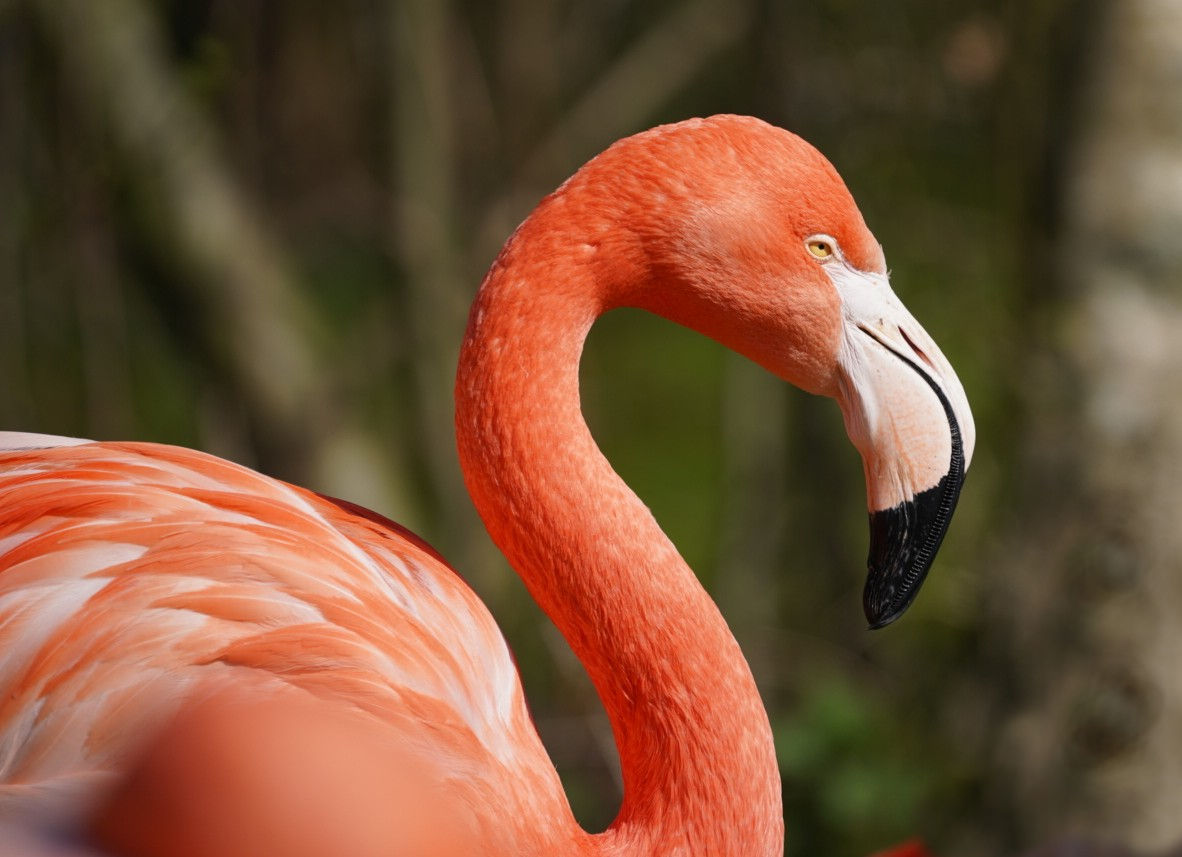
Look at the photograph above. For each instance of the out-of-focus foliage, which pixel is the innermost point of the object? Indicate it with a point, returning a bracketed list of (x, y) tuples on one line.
[(254, 228)]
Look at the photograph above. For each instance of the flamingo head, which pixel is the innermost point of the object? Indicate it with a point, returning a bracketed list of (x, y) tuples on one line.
[(760, 246)]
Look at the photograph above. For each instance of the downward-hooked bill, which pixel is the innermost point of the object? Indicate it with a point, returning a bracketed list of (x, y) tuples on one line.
[(906, 412)]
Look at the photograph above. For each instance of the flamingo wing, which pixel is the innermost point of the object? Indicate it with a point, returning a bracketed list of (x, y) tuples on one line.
[(130, 573)]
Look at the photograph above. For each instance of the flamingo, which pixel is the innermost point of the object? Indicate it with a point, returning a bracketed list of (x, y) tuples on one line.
[(133, 574)]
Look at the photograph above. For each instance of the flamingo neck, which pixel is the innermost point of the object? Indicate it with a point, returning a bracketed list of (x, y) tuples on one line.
[(695, 746)]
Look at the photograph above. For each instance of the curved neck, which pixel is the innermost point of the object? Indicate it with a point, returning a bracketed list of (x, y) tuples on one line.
[(695, 746)]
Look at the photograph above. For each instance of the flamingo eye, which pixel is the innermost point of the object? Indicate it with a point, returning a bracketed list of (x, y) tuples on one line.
[(821, 247)]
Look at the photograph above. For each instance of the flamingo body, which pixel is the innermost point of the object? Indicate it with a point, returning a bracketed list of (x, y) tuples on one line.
[(130, 573)]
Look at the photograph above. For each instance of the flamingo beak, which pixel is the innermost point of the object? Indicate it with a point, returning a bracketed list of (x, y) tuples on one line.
[(907, 414)]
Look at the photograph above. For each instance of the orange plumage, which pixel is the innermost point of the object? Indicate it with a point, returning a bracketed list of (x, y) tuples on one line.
[(136, 577)]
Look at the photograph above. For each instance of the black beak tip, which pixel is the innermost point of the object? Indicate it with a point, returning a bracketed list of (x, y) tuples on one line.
[(883, 610), (903, 544)]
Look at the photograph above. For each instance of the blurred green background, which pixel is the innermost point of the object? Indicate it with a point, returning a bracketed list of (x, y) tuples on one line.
[(254, 228)]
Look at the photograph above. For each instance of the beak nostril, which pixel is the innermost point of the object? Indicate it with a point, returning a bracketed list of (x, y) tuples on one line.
[(919, 352)]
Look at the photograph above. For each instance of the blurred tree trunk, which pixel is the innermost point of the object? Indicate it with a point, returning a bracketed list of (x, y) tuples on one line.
[(249, 315), (753, 534), (425, 238), (14, 132), (1094, 593)]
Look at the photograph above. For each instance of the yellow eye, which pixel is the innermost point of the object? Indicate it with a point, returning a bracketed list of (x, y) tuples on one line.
[(820, 248)]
